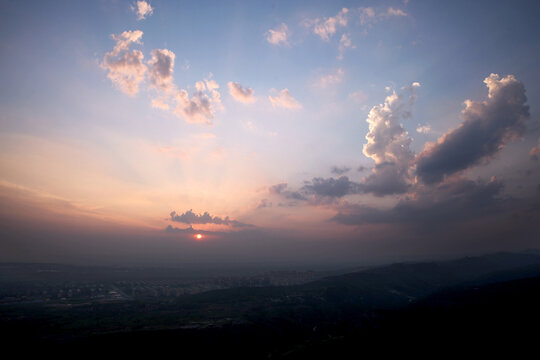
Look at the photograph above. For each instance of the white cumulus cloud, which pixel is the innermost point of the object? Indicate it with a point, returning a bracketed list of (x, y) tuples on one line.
[(388, 144)]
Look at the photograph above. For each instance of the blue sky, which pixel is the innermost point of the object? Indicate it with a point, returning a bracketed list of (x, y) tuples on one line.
[(81, 146)]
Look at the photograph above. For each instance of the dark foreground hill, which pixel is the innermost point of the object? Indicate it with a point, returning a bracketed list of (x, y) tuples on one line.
[(483, 304)]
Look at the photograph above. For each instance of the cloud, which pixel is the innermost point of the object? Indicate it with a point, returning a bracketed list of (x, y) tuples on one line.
[(278, 36), (281, 189), (142, 9), (189, 217), (264, 203), (244, 95), (160, 73), (535, 151), (423, 129), (388, 145), (486, 128), (340, 170), (395, 12), (126, 69), (332, 188), (160, 104), (331, 79), (284, 100), (160, 69), (455, 200), (368, 15), (278, 188), (358, 96), (201, 107), (195, 109), (344, 43), (175, 230), (318, 190), (327, 27)]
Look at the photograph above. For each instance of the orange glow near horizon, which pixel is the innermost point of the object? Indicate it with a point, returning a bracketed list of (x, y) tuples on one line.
[(198, 236)]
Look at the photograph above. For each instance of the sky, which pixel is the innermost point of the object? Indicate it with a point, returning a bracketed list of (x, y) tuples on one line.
[(285, 132)]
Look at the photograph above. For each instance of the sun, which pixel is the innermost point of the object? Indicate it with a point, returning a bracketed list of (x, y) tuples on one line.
[(198, 236)]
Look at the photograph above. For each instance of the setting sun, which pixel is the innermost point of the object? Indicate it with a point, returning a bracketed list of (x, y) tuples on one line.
[(198, 236)]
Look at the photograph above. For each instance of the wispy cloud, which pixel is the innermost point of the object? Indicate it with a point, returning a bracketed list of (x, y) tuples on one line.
[(331, 79), (279, 35), (394, 12), (369, 16), (340, 170), (423, 129), (344, 43), (358, 96), (284, 100), (327, 27), (282, 190)]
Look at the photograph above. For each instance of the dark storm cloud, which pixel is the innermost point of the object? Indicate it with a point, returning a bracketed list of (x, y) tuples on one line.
[(455, 200), (340, 170), (385, 182), (386, 179), (486, 128), (189, 217)]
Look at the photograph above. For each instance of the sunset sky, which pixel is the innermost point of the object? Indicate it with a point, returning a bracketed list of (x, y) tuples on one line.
[(280, 131)]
